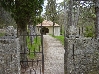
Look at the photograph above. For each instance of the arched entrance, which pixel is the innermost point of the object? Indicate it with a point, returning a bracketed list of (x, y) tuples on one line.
[(44, 30)]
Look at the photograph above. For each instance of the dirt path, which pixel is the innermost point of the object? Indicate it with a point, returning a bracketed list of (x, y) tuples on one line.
[(54, 56)]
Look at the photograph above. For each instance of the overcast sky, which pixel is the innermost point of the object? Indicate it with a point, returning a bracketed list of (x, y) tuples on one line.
[(57, 1)]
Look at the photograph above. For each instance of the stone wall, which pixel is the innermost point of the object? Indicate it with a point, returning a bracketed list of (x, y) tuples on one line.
[(9, 55), (82, 56)]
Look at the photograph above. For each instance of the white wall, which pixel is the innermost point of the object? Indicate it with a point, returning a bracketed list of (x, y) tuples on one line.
[(57, 31), (50, 30)]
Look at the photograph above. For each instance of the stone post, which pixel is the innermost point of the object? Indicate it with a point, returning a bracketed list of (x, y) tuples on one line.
[(67, 33), (9, 55)]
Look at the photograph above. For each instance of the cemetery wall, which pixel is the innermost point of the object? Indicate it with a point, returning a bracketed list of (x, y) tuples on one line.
[(9, 55), (82, 56)]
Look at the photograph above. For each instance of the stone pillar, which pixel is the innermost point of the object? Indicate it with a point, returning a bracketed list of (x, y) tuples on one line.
[(67, 34), (81, 54), (9, 55)]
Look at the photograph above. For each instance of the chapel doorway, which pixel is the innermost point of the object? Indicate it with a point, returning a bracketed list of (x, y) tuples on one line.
[(44, 30)]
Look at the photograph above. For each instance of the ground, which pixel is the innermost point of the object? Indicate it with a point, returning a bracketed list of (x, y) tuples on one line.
[(53, 57)]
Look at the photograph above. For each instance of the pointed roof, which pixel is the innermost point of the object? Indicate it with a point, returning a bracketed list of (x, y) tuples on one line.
[(47, 23)]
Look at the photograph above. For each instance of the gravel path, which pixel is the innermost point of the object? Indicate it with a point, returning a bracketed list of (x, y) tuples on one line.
[(54, 56)]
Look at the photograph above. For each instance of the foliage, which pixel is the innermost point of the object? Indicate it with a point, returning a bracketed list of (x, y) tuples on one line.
[(22, 10), (86, 13), (89, 31), (51, 10), (35, 46), (38, 20)]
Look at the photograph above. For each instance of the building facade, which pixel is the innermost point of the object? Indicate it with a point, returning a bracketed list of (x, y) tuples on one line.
[(47, 28)]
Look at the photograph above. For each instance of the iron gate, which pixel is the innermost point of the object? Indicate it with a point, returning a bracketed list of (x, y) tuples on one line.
[(36, 65)]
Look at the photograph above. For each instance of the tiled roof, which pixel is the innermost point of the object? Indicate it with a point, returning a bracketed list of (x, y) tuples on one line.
[(47, 23)]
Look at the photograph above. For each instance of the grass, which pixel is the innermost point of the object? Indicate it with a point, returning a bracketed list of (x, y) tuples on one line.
[(60, 38), (33, 47)]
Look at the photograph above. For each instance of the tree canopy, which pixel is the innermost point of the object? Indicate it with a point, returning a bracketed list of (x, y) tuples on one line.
[(23, 10), (51, 10)]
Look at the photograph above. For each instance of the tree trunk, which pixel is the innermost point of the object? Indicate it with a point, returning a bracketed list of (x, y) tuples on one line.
[(53, 27), (23, 45), (76, 15), (32, 32), (69, 19)]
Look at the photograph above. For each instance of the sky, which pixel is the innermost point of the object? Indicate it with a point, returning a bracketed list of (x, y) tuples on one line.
[(58, 1), (45, 3)]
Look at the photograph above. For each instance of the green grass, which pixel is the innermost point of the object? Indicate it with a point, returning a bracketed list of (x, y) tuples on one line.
[(34, 46), (60, 38)]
